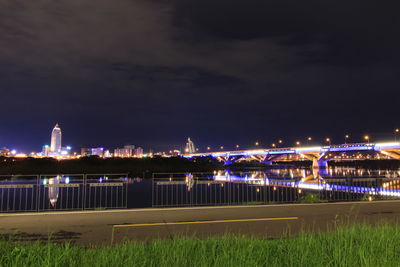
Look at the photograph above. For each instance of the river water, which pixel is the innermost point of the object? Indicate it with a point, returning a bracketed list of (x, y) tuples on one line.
[(74, 192)]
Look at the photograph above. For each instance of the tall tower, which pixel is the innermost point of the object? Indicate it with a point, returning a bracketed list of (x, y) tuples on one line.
[(190, 148), (55, 145)]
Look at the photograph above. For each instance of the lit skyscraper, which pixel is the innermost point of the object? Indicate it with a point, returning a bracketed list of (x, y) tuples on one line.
[(190, 148), (138, 152), (55, 146), (125, 152)]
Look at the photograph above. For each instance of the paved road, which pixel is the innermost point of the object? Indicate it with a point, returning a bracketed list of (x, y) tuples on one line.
[(271, 221)]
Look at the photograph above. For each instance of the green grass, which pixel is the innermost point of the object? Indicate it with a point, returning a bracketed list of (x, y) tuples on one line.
[(347, 246)]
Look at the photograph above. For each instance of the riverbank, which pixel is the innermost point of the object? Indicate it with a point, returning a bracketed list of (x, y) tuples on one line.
[(356, 245), (145, 167)]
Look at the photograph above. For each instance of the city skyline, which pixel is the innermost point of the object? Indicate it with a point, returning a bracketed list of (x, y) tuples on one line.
[(56, 149)]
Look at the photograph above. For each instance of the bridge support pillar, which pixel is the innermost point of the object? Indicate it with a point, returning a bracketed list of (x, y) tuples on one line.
[(228, 161), (320, 164)]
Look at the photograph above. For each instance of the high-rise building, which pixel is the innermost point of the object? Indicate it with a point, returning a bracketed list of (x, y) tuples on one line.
[(107, 154), (55, 146), (86, 152), (95, 151), (98, 151), (190, 148), (125, 152), (4, 152), (45, 150), (138, 152)]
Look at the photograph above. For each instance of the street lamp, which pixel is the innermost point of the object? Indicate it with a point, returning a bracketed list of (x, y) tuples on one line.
[(208, 148), (309, 139), (328, 140), (366, 138), (279, 142), (298, 143), (221, 147), (345, 138), (257, 143), (273, 145), (396, 132), (237, 146)]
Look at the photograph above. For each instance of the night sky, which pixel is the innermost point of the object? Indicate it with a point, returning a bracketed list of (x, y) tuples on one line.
[(153, 72)]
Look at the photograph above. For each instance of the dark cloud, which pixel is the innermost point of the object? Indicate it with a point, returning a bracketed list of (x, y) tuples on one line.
[(344, 32)]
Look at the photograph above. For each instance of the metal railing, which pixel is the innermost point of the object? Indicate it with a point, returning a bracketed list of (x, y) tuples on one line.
[(63, 192), (205, 190)]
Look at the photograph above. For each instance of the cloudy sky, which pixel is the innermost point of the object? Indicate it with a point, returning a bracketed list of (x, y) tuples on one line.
[(153, 72)]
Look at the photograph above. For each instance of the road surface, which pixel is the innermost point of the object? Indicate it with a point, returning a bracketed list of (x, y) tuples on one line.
[(270, 221)]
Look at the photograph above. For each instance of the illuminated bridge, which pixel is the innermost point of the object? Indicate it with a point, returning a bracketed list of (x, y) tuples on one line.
[(319, 155)]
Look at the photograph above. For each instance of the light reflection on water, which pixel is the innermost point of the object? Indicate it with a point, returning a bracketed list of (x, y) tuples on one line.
[(53, 190), (60, 192), (385, 183), (276, 185)]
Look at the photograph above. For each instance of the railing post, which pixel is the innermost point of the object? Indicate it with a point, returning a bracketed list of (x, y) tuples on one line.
[(38, 178), (152, 191), (84, 192), (126, 190)]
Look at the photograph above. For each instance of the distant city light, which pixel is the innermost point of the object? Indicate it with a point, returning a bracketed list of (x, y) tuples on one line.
[(130, 151)]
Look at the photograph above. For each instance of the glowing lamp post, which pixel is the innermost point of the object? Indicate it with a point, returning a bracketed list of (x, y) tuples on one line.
[(396, 132), (280, 141), (346, 137), (366, 138), (328, 140), (309, 139)]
